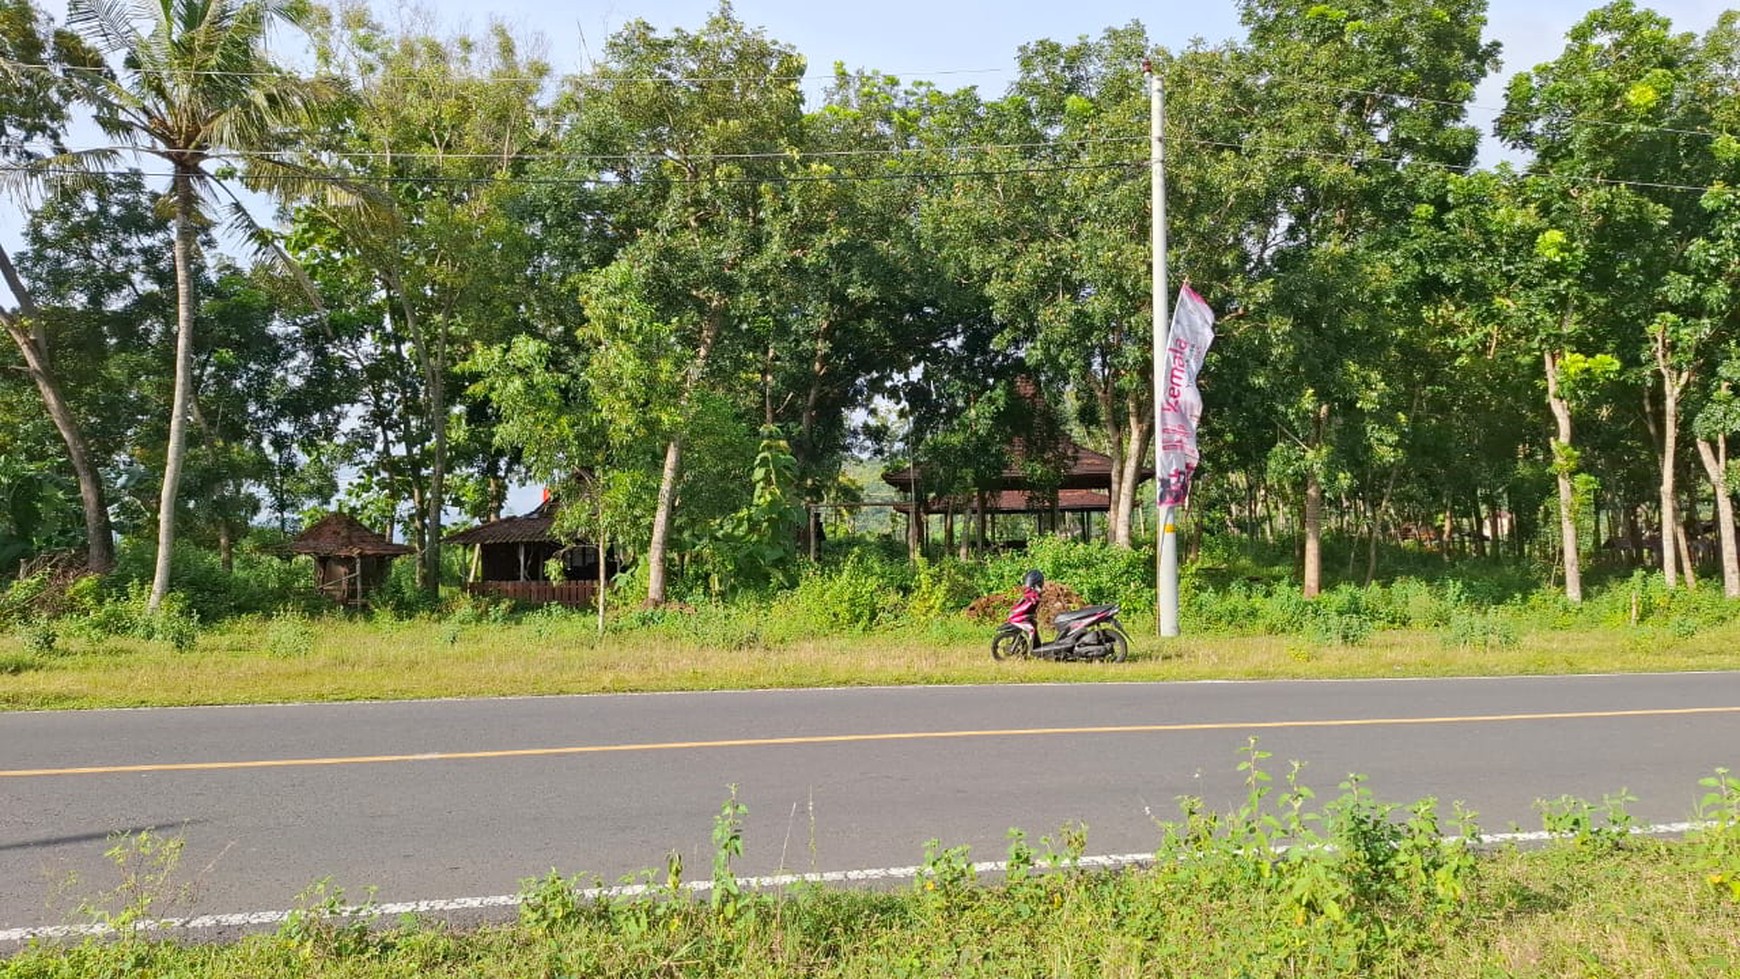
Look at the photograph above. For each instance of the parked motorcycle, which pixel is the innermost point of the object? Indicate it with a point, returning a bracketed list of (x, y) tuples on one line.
[(1087, 633)]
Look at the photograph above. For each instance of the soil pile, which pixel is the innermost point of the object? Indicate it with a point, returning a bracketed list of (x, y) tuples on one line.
[(1053, 599)]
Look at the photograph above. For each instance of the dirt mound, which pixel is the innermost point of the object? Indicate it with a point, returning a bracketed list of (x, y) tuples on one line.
[(1053, 599), (57, 573)]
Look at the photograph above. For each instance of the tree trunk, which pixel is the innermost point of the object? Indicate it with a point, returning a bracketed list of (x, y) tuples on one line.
[(1141, 434), (176, 450), (431, 554), (26, 331), (603, 578), (1715, 459), (1688, 571), (979, 520), (661, 528), (1313, 560), (1477, 529), (1111, 415), (1633, 536), (1669, 502), (657, 549), (1562, 467)]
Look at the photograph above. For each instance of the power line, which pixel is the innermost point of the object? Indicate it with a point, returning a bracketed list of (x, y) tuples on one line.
[(364, 180), (1244, 147), (573, 77), (649, 155)]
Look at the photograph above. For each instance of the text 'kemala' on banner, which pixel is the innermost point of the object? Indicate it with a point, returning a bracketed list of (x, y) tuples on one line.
[(1187, 344)]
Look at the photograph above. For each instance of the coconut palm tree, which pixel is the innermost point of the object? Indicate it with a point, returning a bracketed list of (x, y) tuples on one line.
[(190, 83)]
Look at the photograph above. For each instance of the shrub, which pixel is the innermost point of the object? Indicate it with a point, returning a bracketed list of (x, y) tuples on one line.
[(852, 597), (14, 663), (38, 636), (941, 588), (1482, 629), (175, 623), (1286, 611), (289, 635), (260, 583), (1340, 628), (18, 602), (1100, 573)]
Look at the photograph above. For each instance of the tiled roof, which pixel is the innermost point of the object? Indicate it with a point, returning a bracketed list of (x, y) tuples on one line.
[(1017, 501), (342, 534), (529, 528), (1088, 470)]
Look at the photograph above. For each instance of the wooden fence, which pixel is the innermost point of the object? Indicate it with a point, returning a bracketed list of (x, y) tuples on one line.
[(578, 593)]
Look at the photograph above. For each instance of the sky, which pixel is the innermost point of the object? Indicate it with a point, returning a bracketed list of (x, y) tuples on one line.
[(949, 42), (952, 43), (955, 43)]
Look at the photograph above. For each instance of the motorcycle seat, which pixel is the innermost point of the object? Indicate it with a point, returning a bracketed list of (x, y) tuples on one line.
[(1086, 612)]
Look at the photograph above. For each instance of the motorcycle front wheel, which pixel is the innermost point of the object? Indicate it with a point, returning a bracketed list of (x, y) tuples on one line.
[(1010, 643)]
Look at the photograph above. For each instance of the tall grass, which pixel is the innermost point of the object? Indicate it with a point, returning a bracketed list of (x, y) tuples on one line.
[(1279, 885)]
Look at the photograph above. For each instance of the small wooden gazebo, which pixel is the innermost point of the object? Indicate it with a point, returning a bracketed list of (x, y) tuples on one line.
[(350, 560), (1084, 489), (513, 555)]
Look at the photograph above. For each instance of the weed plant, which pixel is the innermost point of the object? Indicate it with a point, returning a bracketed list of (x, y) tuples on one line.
[(1279, 885)]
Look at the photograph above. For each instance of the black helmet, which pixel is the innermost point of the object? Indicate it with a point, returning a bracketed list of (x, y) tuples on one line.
[(1034, 579)]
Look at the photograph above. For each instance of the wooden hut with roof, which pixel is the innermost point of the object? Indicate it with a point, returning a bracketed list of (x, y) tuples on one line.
[(350, 560), (512, 559), (1084, 489)]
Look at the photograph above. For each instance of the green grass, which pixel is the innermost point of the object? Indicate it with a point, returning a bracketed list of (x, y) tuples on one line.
[(1365, 889), (266, 660)]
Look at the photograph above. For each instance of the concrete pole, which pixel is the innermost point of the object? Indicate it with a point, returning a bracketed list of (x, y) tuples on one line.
[(1166, 532)]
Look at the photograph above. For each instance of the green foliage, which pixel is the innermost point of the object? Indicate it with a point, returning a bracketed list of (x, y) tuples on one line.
[(323, 927), (1481, 629), (757, 545), (852, 596), (289, 635), (18, 601), (1280, 884), (147, 879), (260, 583), (38, 636), (942, 588), (1718, 839), (1602, 827), (726, 894), (551, 905), (1099, 572)]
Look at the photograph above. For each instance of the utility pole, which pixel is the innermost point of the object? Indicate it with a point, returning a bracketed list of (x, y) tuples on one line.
[(1166, 532)]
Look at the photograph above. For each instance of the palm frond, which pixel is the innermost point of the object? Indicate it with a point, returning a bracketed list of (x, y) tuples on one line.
[(290, 181), (110, 24), (264, 248), (78, 172)]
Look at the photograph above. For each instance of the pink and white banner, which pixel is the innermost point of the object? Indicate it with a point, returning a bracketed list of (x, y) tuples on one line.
[(1180, 402)]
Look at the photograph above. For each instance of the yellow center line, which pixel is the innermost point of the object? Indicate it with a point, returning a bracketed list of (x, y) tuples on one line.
[(818, 739)]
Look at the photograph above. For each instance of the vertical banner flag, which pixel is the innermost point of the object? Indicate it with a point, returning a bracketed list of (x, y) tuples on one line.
[(1181, 404)]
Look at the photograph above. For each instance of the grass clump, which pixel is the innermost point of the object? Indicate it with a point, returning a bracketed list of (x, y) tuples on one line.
[(1279, 885)]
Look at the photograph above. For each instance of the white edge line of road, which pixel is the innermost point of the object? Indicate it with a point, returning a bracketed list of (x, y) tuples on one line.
[(254, 919), (746, 691)]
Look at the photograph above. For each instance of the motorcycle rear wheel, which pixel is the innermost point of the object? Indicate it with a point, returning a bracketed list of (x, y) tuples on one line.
[(1010, 643), (1117, 643)]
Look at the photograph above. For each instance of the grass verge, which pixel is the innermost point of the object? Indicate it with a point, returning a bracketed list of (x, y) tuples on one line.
[(285, 659), (1276, 887)]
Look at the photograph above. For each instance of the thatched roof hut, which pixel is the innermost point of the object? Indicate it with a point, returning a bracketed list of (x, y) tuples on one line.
[(350, 560)]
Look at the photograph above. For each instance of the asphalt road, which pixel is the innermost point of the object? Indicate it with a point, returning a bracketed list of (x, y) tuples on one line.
[(271, 799)]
